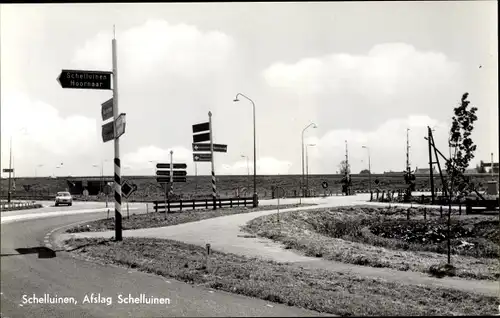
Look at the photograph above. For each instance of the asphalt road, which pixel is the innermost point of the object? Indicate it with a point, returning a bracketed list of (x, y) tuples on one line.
[(37, 270)]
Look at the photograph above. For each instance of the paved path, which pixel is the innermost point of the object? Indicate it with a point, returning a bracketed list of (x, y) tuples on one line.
[(224, 234)]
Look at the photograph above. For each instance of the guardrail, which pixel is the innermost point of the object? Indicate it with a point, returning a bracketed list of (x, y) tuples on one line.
[(160, 206), (6, 206)]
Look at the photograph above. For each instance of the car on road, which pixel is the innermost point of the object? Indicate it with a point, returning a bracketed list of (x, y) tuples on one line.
[(64, 198)]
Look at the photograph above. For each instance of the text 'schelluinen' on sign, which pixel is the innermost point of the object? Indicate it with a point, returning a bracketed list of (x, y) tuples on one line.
[(85, 79)]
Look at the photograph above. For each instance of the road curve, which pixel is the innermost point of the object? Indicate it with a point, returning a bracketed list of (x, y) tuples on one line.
[(28, 269)]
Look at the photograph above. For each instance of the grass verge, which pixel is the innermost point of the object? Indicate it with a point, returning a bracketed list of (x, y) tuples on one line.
[(345, 234), (150, 220), (314, 289)]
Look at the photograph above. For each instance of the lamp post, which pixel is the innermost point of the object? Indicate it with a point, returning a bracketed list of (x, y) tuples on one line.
[(313, 125), (248, 172), (255, 197), (369, 169), (307, 167)]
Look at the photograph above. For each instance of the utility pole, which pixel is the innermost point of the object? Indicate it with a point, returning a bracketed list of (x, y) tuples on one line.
[(408, 152), (431, 164)]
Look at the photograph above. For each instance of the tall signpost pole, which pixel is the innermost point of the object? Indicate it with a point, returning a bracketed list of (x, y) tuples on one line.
[(10, 172), (431, 165), (171, 173), (214, 188), (117, 178)]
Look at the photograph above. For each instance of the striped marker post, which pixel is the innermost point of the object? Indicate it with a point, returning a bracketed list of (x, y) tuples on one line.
[(214, 187), (118, 183)]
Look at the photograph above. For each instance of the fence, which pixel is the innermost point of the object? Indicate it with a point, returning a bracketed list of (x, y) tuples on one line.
[(160, 206), (5, 206)]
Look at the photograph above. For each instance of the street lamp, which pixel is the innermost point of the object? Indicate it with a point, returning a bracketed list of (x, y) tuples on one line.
[(307, 167), (369, 169), (255, 197), (313, 125), (248, 171)]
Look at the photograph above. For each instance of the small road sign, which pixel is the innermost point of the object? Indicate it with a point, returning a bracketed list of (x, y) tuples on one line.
[(201, 137), (108, 132), (8, 170), (27, 187), (176, 173), (202, 157), (206, 147), (324, 184), (167, 179), (128, 189), (376, 181), (279, 192), (167, 166), (107, 109), (85, 79), (201, 127), (120, 125), (107, 189)]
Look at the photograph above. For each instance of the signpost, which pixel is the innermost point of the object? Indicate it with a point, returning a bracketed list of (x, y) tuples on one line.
[(202, 157), (8, 170), (95, 80), (176, 173), (85, 79), (127, 190), (167, 166), (204, 132), (324, 184), (167, 175)]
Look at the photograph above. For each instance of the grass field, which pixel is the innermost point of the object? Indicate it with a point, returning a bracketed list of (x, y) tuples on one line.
[(383, 237), (324, 291), (141, 221)]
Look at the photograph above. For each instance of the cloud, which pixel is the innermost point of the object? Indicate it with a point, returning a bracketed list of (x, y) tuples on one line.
[(265, 166), (38, 131), (387, 146), (155, 48), (145, 158), (363, 90)]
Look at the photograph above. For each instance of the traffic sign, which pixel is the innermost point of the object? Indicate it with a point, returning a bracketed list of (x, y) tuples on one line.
[(120, 125), (279, 192), (167, 179), (85, 79), (324, 184), (107, 109), (27, 187), (8, 170), (202, 157), (179, 173), (167, 166), (206, 147), (201, 127), (108, 132), (107, 189), (201, 137), (128, 189), (376, 181)]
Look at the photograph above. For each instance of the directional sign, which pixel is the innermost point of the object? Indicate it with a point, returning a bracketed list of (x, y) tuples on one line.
[(107, 109), (201, 137), (324, 184), (202, 157), (120, 125), (108, 132), (167, 166), (85, 79), (128, 189), (167, 179), (201, 127), (178, 173), (8, 170), (206, 147)]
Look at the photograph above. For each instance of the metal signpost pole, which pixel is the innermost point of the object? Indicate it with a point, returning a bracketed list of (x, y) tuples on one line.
[(214, 188), (117, 178), (10, 172), (171, 173)]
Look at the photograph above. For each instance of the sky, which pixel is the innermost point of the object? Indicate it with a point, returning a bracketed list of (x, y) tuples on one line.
[(363, 72)]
